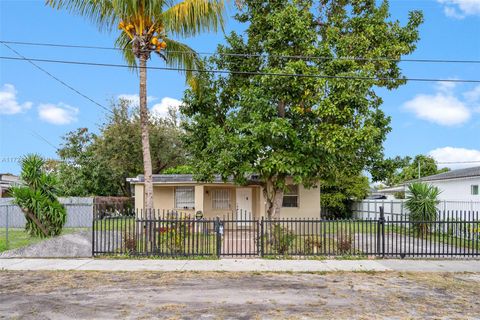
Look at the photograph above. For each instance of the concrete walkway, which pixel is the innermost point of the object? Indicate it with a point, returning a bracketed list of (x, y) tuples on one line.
[(242, 265)]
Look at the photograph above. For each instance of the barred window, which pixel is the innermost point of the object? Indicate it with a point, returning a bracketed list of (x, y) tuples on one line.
[(221, 199), (290, 197), (184, 197)]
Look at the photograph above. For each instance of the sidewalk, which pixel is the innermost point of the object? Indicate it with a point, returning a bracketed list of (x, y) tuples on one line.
[(242, 265)]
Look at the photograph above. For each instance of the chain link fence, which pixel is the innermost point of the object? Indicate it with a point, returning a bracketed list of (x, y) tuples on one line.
[(79, 214)]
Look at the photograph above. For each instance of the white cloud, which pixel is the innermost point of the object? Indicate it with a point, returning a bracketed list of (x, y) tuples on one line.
[(134, 98), (473, 95), (441, 108), (444, 107), (459, 9), (8, 101), (161, 109), (57, 114), (452, 154)]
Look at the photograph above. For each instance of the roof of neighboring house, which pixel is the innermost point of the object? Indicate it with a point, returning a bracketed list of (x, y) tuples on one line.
[(454, 174), (8, 180), (180, 178)]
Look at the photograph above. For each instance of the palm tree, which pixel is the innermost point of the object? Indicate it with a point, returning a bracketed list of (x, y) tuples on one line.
[(422, 201), (37, 199), (145, 26)]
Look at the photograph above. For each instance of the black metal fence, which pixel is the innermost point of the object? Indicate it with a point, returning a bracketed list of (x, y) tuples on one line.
[(177, 234)]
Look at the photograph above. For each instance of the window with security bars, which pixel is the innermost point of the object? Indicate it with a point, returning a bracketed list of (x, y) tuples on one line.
[(221, 199), (290, 197), (184, 197), (475, 189)]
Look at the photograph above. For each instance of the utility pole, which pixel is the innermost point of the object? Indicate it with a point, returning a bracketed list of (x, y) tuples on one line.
[(418, 169)]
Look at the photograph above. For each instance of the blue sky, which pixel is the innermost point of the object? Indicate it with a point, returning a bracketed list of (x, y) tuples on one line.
[(427, 118)]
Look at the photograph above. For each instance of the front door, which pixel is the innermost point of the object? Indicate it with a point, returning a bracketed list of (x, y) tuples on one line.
[(244, 206)]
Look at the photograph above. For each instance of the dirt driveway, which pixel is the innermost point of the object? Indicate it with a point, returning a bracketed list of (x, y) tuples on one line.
[(146, 295)]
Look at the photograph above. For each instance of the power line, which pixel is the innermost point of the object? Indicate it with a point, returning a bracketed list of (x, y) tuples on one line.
[(457, 162), (52, 76), (248, 72), (249, 55), (44, 139)]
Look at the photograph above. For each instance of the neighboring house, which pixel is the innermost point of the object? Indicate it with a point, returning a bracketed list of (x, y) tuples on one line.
[(218, 198), (7, 180), (456, 185)]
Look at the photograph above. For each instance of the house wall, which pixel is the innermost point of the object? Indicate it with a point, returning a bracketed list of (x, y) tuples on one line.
[(457, 189), (308, 204), (164, 199)]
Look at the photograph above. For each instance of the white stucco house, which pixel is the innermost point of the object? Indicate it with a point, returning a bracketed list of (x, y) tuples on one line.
[(456, 185)]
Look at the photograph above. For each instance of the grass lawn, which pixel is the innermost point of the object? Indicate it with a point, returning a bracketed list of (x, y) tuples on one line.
[(17, 237)]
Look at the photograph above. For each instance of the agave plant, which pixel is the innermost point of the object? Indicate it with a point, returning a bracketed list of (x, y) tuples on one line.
[(37, 198), (146, 27), (422, 200)]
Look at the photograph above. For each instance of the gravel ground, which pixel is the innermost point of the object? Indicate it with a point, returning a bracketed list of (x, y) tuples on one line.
[(72, 245), (208, 295)]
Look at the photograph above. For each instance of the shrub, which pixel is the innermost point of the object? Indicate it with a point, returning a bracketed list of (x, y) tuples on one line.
[(172, 236), (312, 245), (37, 198), (344, 241), (130, 242), (282, 239), (421, 202)]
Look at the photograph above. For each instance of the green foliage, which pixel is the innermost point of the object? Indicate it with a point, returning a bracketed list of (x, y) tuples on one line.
[(99, 164), (281, 239), (167, 18), (173, 235), (338, 193), (422, 200), (300, 127), (37, 197), (182, 169), (397, 170), (344, 241)]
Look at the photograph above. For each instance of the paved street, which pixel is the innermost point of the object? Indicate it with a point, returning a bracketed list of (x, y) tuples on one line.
[(233, 295)]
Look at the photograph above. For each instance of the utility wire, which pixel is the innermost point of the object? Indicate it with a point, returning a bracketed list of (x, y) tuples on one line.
[(44, 139), (248, 55), (52, 76), (299, 75)]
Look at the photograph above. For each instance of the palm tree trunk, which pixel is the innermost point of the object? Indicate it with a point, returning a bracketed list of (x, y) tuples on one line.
[(147, 159)]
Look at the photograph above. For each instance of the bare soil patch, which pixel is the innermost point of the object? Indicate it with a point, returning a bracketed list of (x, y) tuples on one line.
[(216, 295)]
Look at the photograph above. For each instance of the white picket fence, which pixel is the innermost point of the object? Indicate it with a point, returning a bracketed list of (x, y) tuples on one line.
[(396, 210), (79, 213)]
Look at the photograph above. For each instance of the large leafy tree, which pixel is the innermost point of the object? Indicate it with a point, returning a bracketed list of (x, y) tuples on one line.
[(305, 126), (398, 170), (339, 192), (146, 26), (98, 164), (37, 198)]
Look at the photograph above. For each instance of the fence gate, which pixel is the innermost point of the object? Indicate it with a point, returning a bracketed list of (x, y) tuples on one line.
[(239, 235)]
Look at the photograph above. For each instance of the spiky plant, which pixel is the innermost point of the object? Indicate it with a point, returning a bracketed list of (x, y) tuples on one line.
[(37, 198), (146, 26), (422, 200)]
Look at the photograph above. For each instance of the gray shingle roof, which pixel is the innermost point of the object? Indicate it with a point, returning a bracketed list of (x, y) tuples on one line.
[(178, 178), (454, 174)]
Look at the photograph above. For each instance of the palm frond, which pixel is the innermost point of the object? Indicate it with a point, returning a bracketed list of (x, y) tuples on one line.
[(181, 56), (101, 12), (191, 17), (124, 43)]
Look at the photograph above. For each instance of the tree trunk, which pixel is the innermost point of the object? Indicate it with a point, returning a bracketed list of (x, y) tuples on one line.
[(36, 221), (274, 198), (147, 159)]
